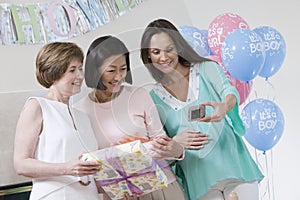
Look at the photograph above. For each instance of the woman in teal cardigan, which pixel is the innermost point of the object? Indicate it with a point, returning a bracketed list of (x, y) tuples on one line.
[(185, 79)]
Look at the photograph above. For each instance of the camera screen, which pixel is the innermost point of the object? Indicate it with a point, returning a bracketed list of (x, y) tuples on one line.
[(195, 114)]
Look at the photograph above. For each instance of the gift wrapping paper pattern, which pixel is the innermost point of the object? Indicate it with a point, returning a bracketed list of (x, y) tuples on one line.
[(127, 168)]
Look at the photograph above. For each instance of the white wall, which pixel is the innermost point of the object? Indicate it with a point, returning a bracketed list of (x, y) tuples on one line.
[(17, 67)]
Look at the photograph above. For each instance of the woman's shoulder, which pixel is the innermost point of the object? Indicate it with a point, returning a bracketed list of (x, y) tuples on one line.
[(136, 93), (32, 107), (33, 102), (83, 104), (208, 67), (135, 89), (84, 100), (205, 64)]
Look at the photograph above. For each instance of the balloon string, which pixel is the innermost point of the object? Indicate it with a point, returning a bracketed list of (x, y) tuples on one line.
[(270, 87), (260, 167), (268, 178), (255, 91), (257, 160), (246, 87), (267, 191), (272, 175)]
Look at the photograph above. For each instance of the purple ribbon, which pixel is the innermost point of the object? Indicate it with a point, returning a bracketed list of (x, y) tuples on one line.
[(111, 157)]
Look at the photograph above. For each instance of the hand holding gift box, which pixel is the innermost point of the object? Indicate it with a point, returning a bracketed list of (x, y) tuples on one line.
[(128, 168)]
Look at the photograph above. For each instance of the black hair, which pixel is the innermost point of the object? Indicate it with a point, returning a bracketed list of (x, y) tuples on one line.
[(99, 50)]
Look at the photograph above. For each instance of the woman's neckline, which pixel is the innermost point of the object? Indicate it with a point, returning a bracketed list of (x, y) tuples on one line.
[(180, 82), (93, 97), (54, 100)]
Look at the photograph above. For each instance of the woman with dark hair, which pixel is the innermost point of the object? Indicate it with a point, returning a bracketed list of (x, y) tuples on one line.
[(185, 80), (121, 113), (98, 51)]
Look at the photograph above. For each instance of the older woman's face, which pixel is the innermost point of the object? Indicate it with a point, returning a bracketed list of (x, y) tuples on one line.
[(71, 81), (113, 72)]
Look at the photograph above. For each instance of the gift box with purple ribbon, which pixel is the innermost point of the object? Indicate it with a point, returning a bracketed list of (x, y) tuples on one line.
[(128, 168)]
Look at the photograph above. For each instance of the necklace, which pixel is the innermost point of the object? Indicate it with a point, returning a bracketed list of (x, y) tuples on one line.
[(82, 143)]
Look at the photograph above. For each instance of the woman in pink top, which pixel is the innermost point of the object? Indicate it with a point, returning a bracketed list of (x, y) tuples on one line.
[(121, 113)]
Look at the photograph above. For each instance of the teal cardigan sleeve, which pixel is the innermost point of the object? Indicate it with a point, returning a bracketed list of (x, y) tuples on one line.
[(215, 76)]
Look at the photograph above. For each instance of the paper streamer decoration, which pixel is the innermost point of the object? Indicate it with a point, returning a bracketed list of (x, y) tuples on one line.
[(26, 24)]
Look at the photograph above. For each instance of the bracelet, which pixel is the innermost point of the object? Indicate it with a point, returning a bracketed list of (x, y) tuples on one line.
[(85, 183)]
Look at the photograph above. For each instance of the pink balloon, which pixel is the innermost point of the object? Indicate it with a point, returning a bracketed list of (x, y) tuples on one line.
[(220, 27), (216, 58), (244, 88)]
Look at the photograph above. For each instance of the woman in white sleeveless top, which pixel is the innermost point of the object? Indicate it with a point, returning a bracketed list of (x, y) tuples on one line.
[(50, 137)]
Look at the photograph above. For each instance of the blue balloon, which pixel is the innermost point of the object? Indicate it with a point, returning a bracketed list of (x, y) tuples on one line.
[(275, 49), (264, 123), (196, 38), (242, 54)]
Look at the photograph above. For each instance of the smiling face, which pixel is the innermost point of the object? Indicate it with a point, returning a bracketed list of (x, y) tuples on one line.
[(113, 72), (163, 53), (71, 81)]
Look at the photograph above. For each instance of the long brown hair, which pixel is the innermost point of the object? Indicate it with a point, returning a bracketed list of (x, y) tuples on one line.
[(186, 54)]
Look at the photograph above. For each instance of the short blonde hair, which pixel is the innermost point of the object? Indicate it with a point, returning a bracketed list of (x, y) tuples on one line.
[(53, 59)]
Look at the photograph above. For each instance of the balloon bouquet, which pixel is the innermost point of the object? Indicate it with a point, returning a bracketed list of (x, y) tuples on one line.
[(207, 43), (243, 55), (249, 53)]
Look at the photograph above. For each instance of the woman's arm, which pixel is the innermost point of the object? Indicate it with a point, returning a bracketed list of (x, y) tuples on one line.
[(162, 145), (220, 109), (29, 127), (226, 93)]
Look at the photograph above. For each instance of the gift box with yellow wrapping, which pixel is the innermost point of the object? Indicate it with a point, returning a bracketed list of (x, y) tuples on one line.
[(128, 168)]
